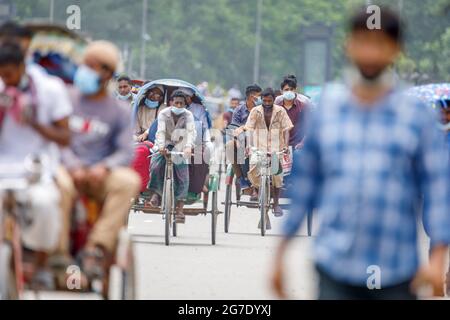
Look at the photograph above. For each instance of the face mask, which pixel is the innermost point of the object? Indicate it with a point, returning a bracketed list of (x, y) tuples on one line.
[(151, 104), (289, 95), (258, 101), (87, 80), (125, 97), (355, 77), (178, 111), (267, 106)]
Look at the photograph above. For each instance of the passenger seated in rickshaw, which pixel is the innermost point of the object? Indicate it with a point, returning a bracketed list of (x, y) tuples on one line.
[(269, 127), (175, 127), (146, 111), (239, 118), (199, 166), (98, 158)]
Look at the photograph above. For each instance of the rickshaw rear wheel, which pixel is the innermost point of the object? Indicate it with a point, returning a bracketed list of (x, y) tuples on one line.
[(264, 203), (214, 211), (227, 214), (168, 210)]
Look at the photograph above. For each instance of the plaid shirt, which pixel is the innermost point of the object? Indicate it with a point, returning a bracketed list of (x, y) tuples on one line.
[(240, 115), (364, 171)]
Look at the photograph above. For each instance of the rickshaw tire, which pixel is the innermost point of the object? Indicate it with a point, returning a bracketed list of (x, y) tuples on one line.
[(227, 214), (214, 218), (262, 204), (168, 210)]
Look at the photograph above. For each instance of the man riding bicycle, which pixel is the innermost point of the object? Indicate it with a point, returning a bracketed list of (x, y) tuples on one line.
[(269, 127), (238, 159), (176, 128), (32, 126)]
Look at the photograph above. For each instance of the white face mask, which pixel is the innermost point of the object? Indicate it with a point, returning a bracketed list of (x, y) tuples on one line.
[(125, 97), (353, 76)]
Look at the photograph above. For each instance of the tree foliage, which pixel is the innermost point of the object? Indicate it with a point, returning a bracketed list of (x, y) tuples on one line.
[(214, 40)]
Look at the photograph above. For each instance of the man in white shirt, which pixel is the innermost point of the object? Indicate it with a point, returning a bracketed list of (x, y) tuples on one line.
[(34, 126)]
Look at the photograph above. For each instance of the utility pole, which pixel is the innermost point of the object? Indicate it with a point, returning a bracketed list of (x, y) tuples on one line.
[(256, 66), (400, 7), (52, 11), (143, 38)]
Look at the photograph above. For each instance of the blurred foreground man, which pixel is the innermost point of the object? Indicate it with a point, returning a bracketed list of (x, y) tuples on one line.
[(367, 159), (98, 159)]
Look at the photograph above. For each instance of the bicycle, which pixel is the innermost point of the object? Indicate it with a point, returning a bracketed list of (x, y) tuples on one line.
[(265, 162), (167, 209)]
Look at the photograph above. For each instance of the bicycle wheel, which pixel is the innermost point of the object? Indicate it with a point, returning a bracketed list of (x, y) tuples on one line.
[(174, 228), (263, 203), (214, 210), (168, 209), (227, 214), (122, 275)]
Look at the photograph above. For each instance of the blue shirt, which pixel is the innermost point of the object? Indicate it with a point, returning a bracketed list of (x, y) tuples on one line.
[(364, 171), (240, 115)]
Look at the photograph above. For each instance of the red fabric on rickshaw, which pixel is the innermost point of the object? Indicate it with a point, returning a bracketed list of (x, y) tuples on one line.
[(141, 162)]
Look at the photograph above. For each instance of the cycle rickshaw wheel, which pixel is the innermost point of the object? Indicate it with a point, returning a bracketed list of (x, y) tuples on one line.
[(264, 203), (214, 211), (168, 209), (227, 214)]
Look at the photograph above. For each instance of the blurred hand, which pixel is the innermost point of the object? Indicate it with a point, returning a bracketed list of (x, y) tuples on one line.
[(248, 151), (298, 146), (142, 137), (187, 152), (163, 151), (277, 279), (432, 274), (238, 131)]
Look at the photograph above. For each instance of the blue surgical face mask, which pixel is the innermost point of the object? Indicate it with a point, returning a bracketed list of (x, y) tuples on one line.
[(125, 97), (258, 101), (151, 104), (289, 95), (87, 80), (178, 111)]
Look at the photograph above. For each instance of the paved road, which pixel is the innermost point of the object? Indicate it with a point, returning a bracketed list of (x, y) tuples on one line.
[(237, 267)]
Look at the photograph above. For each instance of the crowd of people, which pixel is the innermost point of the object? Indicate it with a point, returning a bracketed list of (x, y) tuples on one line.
[(363, 158)]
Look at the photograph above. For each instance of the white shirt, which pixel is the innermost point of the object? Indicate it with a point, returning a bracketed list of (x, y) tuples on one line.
[(17, 141)]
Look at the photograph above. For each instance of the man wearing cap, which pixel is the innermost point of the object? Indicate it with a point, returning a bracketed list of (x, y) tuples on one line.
[(99, 156)]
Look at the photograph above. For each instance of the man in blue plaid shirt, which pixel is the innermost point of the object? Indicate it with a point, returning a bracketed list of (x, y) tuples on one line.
[(370, 153)]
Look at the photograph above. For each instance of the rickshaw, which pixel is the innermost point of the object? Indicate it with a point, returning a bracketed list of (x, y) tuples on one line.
[(268, 163), (436, 96), (15, 273), (58, 51), (433, 95), (167, 209)]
